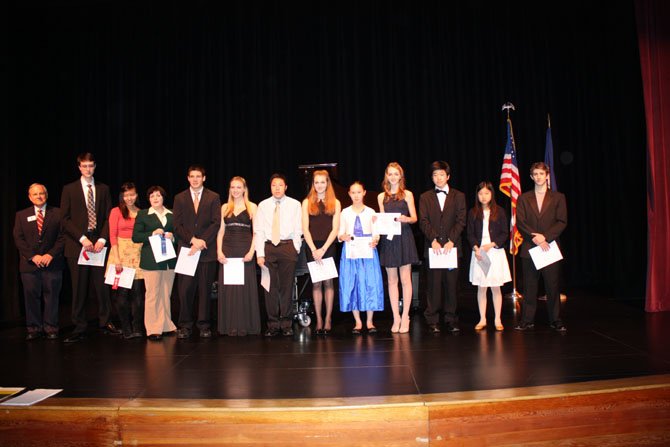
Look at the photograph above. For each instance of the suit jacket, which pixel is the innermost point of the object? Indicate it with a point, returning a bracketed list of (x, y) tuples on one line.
[(204, 225), (498, 229), (444, 225), (145, 224), (550, 222), (75, 215), (30, 243)]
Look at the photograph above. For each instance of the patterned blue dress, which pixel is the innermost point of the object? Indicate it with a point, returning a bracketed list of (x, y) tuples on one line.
[(361, 284)]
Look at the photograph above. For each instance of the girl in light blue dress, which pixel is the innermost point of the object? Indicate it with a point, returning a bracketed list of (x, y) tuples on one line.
[(361, 284)]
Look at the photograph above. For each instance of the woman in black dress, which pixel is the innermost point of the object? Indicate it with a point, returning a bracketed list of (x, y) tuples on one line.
[(238, 309), (320, 223)]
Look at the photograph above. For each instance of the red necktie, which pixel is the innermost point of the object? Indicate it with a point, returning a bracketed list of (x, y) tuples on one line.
[(40, 221)]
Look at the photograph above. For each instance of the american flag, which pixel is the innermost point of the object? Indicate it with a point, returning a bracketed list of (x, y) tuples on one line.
[(510, 185)]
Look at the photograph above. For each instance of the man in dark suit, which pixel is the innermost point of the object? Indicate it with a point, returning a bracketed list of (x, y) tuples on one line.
[(39, 239), (442, 219), (85, 206), (541, 217), (197, 218)]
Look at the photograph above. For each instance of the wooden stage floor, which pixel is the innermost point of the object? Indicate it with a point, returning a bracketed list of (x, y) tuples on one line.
[(610, 347)]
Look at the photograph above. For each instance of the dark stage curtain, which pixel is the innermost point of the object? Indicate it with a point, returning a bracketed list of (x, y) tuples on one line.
[(653, 18), (249, 87)]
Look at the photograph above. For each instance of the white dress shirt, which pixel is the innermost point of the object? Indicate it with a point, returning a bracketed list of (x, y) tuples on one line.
[(290, 222)]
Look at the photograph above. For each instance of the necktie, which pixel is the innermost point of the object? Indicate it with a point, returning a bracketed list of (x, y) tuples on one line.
[(196, 202), (90, 207), (275, 225), (40, 221), (437, 191)]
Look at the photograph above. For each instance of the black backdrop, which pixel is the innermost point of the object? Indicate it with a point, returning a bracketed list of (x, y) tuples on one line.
[(248, 88)]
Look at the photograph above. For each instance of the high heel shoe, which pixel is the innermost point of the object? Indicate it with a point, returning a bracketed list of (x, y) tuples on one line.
[(481, 325), (396, 326), (499, 326), (404, 325)]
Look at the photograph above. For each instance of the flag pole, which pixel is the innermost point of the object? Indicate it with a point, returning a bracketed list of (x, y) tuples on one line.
[(514, 295)]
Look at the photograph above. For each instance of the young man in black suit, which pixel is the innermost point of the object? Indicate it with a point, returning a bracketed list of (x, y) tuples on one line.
[(85, 206), (197, 218), (541, 217), (442, 215), (39, 239)]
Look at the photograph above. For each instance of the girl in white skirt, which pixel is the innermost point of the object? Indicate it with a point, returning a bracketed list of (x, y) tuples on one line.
[(487, 232)]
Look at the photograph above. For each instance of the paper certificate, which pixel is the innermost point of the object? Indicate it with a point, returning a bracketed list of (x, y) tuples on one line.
[(386, 223), (321, 271), (186, 265), (359, 248), (485, 262), (543, 258), (265, 278), (123, 279), (31, 397), (443, 260), (233, 272), (92, 258), (162, 248)]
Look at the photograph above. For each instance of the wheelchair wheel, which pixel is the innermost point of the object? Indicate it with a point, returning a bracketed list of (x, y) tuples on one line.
[(304, 320)]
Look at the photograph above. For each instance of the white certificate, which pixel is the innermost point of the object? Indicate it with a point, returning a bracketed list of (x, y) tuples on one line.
[(265, 278), (233, 272), (359, 248), (123, 279), (386, 223), (443, 260), (321, 271), (156, 248), (92, 258), (543, 258), (186, 264)]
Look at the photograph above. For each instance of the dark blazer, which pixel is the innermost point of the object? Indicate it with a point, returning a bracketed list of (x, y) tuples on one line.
[(29, 243), (145, 225), (204, 225), (498, 229), (75, 215), (445, 225), (550, 222)]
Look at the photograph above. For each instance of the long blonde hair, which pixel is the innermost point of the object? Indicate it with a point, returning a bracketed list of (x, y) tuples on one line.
[(400, 195), (328, 201), (230, 210)]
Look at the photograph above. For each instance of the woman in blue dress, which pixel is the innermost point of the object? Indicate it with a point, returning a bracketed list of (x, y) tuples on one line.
[(361, 285)]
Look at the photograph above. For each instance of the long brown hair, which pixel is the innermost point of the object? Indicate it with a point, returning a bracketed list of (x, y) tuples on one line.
[(329, 199), (400, 195), (125, 212), (477, 210), (231, 202)]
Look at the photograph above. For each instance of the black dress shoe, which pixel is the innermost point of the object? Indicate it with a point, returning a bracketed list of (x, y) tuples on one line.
[(287, 332), (558, 326), (205, 333), (183, 332), (271, 333), (52, 336), (524, 326), (434, 328), (155, 337), (110, 329), (132, 335), (452, 327), (33, 336), (75, 337)]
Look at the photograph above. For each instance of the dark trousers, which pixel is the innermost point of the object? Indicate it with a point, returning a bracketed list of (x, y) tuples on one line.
[(188, 287), (82, 275), (37, 285), (531, 280), (439, 282), (129, 304), (280, 261)]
